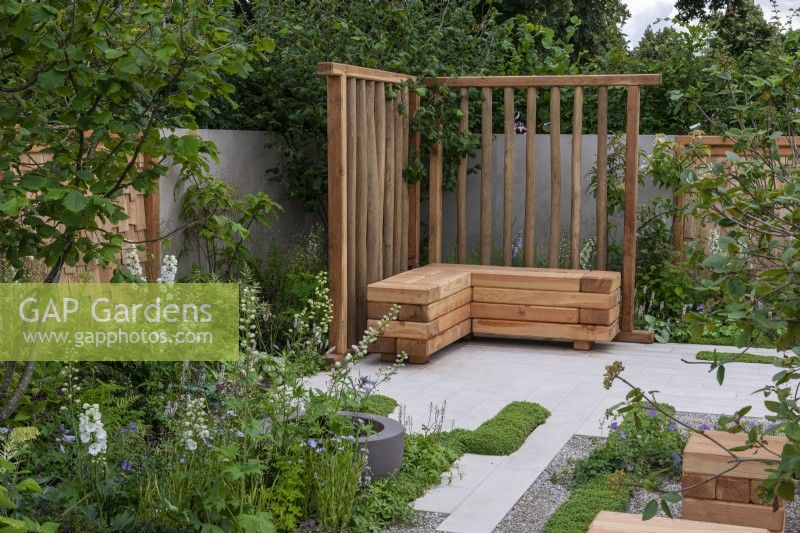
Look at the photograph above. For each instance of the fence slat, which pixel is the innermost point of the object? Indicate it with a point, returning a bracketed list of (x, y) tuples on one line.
[(352, 178), (486, 176), (435, 204), (601, 214), (380, 179), (508, 174), (337, 211), (575, 178), (461, 185), (555, 177), (629, 216), (399, 252), (411, 191), (374, 201), (528, 246), (388, 195), (361, 208)]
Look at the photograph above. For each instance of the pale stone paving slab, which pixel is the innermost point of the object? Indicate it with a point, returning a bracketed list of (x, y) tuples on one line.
[(477, 378)]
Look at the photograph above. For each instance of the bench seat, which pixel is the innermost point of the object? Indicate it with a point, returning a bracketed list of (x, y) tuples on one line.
[(441, 303), (610, 522)]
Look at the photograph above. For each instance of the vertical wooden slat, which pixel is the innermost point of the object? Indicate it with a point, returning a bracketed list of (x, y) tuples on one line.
[(388, 194), (508, 174), (530, 181), (486, 176), (412, 196), (352, 177), (555, 177), (337, 211), (435, 204), (379, 184), (678, 218), (461, 186), (399, 253), (373, 197), (361, 208), (152, 229), (601, 215), (575, 179), (629, 216)]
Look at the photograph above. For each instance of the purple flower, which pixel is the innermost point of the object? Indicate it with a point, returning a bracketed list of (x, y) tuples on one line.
[(677, 458), (365, 384), (69, 438), (704, 426), (613, 425), (751, 424), (672, 426), (773, 426), (122, 430), (652, 412), (240, 434), (132, 427), (519, 126), (126, 466), (700, 307), (622, 435)]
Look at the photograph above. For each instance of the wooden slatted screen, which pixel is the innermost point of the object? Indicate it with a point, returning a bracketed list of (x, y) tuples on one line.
[(374, 214)]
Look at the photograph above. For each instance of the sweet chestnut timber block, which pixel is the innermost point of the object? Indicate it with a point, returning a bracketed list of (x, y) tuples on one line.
[(600, 281), (419, 351), (610, 522), (734, 513), (526, 313), (702, 456), (543, 330), (424, 330), (733, 489), (702, 486), (600, 317), (421, 313), (545, 298)]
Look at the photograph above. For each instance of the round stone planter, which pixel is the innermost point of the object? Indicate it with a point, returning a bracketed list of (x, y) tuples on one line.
[(384, 445)]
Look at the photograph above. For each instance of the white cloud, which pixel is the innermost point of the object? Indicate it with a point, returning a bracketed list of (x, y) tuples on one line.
[(646, 12)]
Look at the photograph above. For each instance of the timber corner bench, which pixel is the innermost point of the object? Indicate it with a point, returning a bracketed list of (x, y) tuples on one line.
[(441, 303)]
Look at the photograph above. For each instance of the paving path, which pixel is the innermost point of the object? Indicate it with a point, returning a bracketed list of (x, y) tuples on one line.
[(479, 377)]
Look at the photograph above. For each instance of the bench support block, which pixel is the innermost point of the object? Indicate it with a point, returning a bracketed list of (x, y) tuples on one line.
[(583, 345), (639, 336)]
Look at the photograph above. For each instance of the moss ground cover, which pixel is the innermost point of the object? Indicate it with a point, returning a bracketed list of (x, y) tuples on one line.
[(736, 357), (585, 502), (505, 432), (378, 404)]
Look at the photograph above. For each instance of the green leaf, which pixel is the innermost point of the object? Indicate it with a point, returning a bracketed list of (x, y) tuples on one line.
[(673, 497), (13, 522), (75, 201), (29, 485), (650, 510), (51, 80), (720, 374)]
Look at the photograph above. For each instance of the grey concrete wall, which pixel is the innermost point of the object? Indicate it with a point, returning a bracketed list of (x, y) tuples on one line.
[(244, 162), (542, 195)]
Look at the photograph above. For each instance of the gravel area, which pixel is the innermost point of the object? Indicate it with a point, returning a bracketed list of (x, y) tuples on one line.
[(544, 496), (422, 522)]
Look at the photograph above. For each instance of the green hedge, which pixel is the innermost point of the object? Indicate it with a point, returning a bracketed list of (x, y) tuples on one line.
[(378, 404), (736, 357), (584, 503)]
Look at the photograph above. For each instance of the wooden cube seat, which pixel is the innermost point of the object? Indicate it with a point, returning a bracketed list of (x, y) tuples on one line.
[(610, 522), (733, 497), (441, 303)]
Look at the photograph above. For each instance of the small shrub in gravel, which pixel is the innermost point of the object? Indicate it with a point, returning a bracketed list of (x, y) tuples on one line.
[(588, 499)]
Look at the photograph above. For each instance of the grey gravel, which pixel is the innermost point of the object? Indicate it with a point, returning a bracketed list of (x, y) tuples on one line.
[(423, 522), (548, 492)]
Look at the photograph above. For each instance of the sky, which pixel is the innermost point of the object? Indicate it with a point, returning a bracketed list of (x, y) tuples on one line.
[(645, 12)]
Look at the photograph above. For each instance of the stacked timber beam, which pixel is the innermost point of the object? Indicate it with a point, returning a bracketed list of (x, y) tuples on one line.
[(442, 303), (730, 498)]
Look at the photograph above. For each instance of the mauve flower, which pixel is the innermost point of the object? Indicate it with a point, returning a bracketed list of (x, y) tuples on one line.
[(622, 435), (133, 427), (677, 458), (773, 426), (700, 307), (704, 426), (126, 466), (613, 425), (672, 426), (652, 412)]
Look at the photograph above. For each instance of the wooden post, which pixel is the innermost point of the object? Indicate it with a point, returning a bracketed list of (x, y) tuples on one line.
[(337, 212), (631, 204), (601, 206), (461, 186), (412, 145), (388, 195), (374, 201), (530, 181), (380, 179), (486, 176), (361, 204), (352, 178), (508, 175), (555, 178), (400, 255), (678, 218), (152, 230), (575, 178), (435, 204)]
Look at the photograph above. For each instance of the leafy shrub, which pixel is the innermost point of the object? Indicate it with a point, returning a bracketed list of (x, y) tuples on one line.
[(585, 502), (643, 441), (505, 432)]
